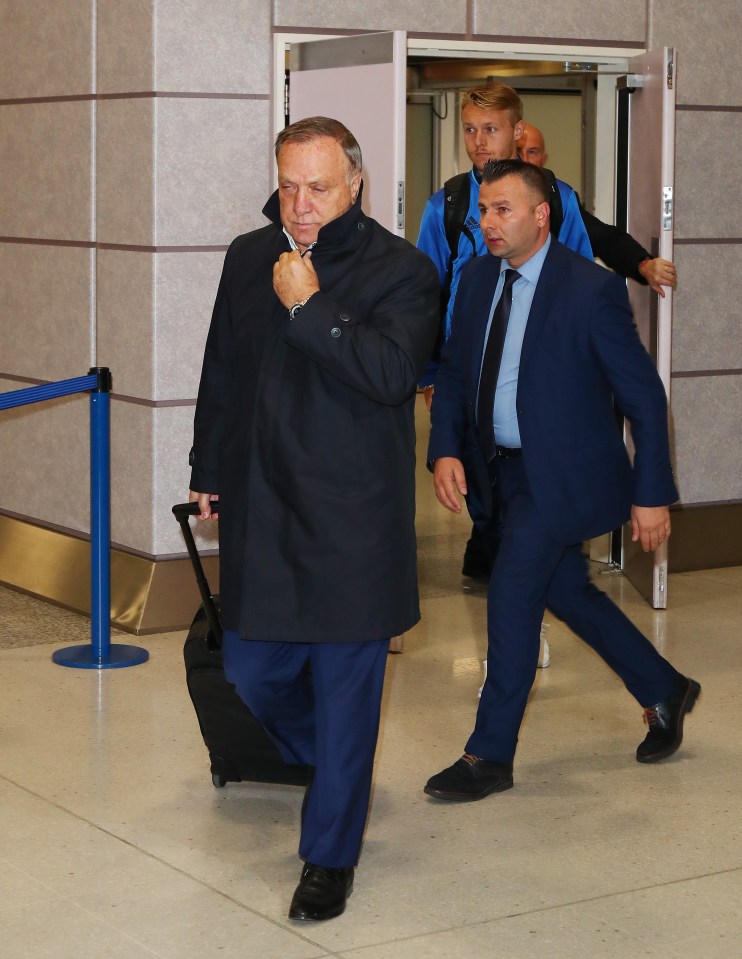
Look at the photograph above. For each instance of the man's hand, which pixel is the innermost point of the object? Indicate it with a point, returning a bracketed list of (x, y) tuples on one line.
[(449, 481), (204, 503), (294, 277), (650, 525), (428, 396), (659, 273)]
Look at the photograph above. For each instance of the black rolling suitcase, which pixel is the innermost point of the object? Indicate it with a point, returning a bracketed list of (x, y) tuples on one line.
[(239, 748)]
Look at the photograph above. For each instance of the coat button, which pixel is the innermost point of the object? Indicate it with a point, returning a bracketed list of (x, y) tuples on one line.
[(335, 331), (360, 226), (345, 317)]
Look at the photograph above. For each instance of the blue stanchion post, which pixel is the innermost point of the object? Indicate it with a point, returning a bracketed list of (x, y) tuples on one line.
[(100, 654)]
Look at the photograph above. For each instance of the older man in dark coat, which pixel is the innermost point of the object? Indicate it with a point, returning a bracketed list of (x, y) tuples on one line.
[(304, 429)]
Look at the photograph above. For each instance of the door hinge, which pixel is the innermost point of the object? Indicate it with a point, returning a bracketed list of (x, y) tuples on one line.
[(661, 579), (666, 207), (670, 70), (400, 204)]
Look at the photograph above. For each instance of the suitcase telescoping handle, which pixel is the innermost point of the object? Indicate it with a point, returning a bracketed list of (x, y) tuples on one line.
[(182, 512)]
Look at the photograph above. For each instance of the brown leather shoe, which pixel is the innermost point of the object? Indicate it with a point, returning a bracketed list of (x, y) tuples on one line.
[(470, 778), (322, 893)]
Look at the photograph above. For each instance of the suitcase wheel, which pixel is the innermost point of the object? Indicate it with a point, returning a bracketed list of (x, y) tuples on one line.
[(218, 781)]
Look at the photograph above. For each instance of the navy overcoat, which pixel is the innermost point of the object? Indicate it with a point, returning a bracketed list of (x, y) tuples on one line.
[(306, 431)]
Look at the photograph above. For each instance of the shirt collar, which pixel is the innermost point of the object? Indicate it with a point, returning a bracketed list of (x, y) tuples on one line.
[(292, 241)]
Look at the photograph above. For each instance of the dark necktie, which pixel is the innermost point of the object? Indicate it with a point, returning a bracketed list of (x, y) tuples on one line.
[(491, 365)]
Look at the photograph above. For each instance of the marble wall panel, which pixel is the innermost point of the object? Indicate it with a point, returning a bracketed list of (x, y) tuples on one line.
[(125, 46), (706, 414), (707, 38), (125, 321), (47, 477), (213, 163), (585, 20), (173, 438), (706, 193), (707, 313), (153, 314), (46, 186), (46, 310), (185, 288), (223, 46), (149, 473), (46, 49), (132, 471), (434, 16), (125, 165)]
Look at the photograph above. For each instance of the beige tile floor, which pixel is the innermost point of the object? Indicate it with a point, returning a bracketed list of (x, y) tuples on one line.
[(115, 845)]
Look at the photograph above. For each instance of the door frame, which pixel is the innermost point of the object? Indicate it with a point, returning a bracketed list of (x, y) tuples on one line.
[(614, 59)]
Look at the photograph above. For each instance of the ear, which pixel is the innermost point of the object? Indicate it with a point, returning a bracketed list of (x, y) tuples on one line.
[(542, 214), (355, 186), (518, 130)]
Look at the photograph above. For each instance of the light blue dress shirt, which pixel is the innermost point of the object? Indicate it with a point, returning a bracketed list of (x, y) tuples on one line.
[(505, 416)]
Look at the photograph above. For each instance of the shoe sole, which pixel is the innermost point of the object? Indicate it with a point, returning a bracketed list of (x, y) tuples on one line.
[(332, 914), (466, 797), (691, 695)]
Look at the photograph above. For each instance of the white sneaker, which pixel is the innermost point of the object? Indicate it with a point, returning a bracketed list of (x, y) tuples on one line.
[(484, 680), (544, 657)]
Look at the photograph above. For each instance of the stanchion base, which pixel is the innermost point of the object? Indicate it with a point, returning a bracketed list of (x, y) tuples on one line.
[(86, 657)]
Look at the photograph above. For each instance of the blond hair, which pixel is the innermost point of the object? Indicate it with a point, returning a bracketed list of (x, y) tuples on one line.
[(494, 96)]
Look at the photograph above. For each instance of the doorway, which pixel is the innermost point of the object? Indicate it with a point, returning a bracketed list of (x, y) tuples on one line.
[(568, 92)]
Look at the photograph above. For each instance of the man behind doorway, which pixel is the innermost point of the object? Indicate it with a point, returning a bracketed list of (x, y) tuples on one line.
[(610, 244)]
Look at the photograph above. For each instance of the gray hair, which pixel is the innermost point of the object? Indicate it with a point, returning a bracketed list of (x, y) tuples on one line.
[(314, 128)]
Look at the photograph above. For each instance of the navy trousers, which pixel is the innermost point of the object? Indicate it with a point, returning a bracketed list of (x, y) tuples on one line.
[(533, 571), (330, 721)]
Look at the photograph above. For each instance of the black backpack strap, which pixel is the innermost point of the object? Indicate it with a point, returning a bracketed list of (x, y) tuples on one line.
[(556, 215), (456, 196)]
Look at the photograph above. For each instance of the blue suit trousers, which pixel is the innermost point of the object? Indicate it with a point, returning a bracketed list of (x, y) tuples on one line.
[(329, 721), (534, 571)]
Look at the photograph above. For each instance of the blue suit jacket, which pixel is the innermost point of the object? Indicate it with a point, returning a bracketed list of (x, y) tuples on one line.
[(580, 350)]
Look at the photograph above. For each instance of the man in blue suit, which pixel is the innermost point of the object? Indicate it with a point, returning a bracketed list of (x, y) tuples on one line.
[(530, 420)]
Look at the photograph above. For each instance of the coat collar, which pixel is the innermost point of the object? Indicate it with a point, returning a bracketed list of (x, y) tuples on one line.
[(333, 235)]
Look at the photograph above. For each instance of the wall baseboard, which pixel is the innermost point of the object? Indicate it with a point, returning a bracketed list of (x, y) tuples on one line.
[(705, 537), (152, 596), (147, 596)]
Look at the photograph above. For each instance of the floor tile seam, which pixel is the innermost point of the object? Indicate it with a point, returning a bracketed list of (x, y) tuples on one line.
[(348, 954), (98, 920), (325, 954)]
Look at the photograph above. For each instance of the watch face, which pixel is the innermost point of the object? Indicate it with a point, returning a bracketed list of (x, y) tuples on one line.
[(295, 309)]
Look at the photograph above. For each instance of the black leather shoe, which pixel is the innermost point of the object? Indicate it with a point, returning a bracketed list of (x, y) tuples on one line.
[(470, 778), (476, 566), (321, 893), (665, 721)]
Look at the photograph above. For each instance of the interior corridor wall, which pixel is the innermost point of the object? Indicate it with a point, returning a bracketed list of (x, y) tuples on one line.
[(135, 143)]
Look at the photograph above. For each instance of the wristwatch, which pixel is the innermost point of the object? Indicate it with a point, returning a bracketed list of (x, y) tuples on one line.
[(296, 307)]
